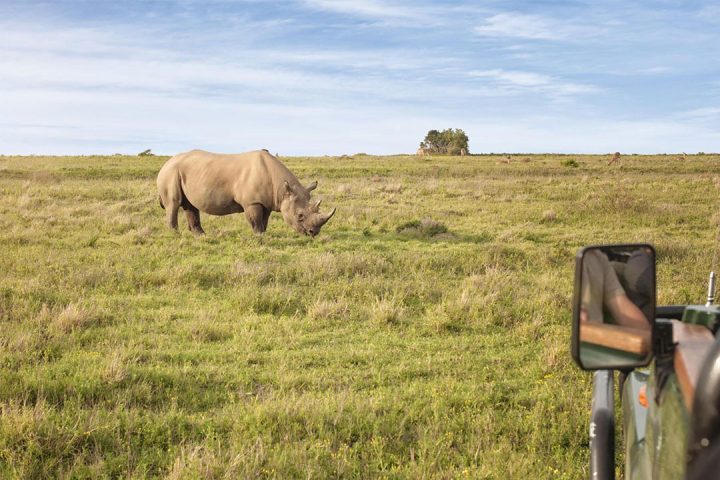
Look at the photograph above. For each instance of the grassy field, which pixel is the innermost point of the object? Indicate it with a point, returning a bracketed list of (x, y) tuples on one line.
[(385, 347)]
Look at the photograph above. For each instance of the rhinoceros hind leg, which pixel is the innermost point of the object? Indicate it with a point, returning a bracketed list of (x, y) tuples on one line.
[(266, 218), (192, 215), (257, 216), (171, 215)]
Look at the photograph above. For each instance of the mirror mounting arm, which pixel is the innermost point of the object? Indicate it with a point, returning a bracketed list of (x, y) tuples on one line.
[(664, 350)]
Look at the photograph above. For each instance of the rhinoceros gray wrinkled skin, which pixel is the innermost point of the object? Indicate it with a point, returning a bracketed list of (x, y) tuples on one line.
[(256, 183)]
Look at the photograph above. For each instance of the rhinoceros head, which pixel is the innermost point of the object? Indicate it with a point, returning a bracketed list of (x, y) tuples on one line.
[(301, 214)]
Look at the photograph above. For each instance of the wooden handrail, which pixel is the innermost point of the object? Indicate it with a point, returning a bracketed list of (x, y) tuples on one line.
[(627, 339), (693, 343)]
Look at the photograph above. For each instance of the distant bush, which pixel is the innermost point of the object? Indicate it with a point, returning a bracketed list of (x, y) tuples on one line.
[(146, 153), (447, 142), (570, 162)]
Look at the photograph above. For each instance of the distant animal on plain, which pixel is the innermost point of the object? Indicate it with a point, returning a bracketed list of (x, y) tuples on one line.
[(421, 152), (463, 152), (256, 183), (615, 158)]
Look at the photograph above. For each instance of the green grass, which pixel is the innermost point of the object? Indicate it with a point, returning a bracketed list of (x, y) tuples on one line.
[(423, 334)]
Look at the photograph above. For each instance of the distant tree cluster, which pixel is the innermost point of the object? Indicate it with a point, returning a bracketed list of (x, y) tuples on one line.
[(448, 142)]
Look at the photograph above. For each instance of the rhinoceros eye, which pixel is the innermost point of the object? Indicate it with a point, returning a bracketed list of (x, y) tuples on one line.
[(301, 216)]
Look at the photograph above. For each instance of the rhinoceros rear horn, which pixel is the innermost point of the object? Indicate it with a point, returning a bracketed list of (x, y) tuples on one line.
[(316, 206)]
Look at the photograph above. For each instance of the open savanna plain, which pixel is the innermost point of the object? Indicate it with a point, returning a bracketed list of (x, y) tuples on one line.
[(423, 334)]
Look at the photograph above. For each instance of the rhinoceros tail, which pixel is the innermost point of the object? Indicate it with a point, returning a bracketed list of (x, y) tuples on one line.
[(161, 204)]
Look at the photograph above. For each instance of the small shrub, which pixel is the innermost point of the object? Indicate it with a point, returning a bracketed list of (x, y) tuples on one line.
[(422, 228), (570, 162), (209, 333), (146, 153)]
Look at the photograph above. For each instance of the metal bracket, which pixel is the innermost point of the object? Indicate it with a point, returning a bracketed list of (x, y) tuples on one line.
[(664, 350)]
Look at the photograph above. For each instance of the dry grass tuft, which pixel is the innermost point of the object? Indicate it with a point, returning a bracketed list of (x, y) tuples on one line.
[(116, 370), (256, 273), (74, 317), (344, 189), (385, 311), (196, 462), (207, 329), (549, 216), (26, 201), (392, 188), (142, 235), (328, 309)]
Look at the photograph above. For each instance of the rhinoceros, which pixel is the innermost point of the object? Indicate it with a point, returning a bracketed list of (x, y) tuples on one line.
[(256, 183)]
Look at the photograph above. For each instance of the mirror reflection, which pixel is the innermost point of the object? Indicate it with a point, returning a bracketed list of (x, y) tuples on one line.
[(616, 306)]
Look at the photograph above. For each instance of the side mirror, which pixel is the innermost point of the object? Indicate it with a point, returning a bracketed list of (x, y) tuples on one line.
[(614, 306)]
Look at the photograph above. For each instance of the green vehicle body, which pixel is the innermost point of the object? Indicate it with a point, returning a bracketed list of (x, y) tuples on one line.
[(656, 436)]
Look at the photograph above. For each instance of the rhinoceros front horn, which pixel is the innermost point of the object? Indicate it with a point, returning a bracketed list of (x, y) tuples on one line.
[(322, 219)]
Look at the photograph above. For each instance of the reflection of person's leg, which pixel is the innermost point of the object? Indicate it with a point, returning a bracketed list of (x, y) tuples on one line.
[(640, 280), (611, 283), (593, 278)]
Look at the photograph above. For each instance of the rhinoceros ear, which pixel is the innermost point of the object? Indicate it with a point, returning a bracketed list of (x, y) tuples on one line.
[(312, 186), (288, 189)]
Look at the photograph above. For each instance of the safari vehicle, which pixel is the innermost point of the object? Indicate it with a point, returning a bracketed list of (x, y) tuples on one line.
[(669, 368)]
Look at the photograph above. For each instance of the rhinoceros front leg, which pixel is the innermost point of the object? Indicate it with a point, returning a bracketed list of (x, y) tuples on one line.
[(257, 217), (192, 215)]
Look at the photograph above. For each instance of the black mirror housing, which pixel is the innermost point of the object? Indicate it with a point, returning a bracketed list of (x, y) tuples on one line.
[(614, 306)]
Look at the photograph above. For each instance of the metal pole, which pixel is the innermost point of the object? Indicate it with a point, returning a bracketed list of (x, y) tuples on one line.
[(711, 290), (602, 427)]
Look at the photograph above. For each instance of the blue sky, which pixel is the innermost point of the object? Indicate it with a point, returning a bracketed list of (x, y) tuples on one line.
[(331, 77)]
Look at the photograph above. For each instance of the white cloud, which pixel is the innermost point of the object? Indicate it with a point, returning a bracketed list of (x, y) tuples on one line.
[(528, 81), (654, 70), (524, 79), (705, 113), (520, 25), (525, 26), (366, 8)]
